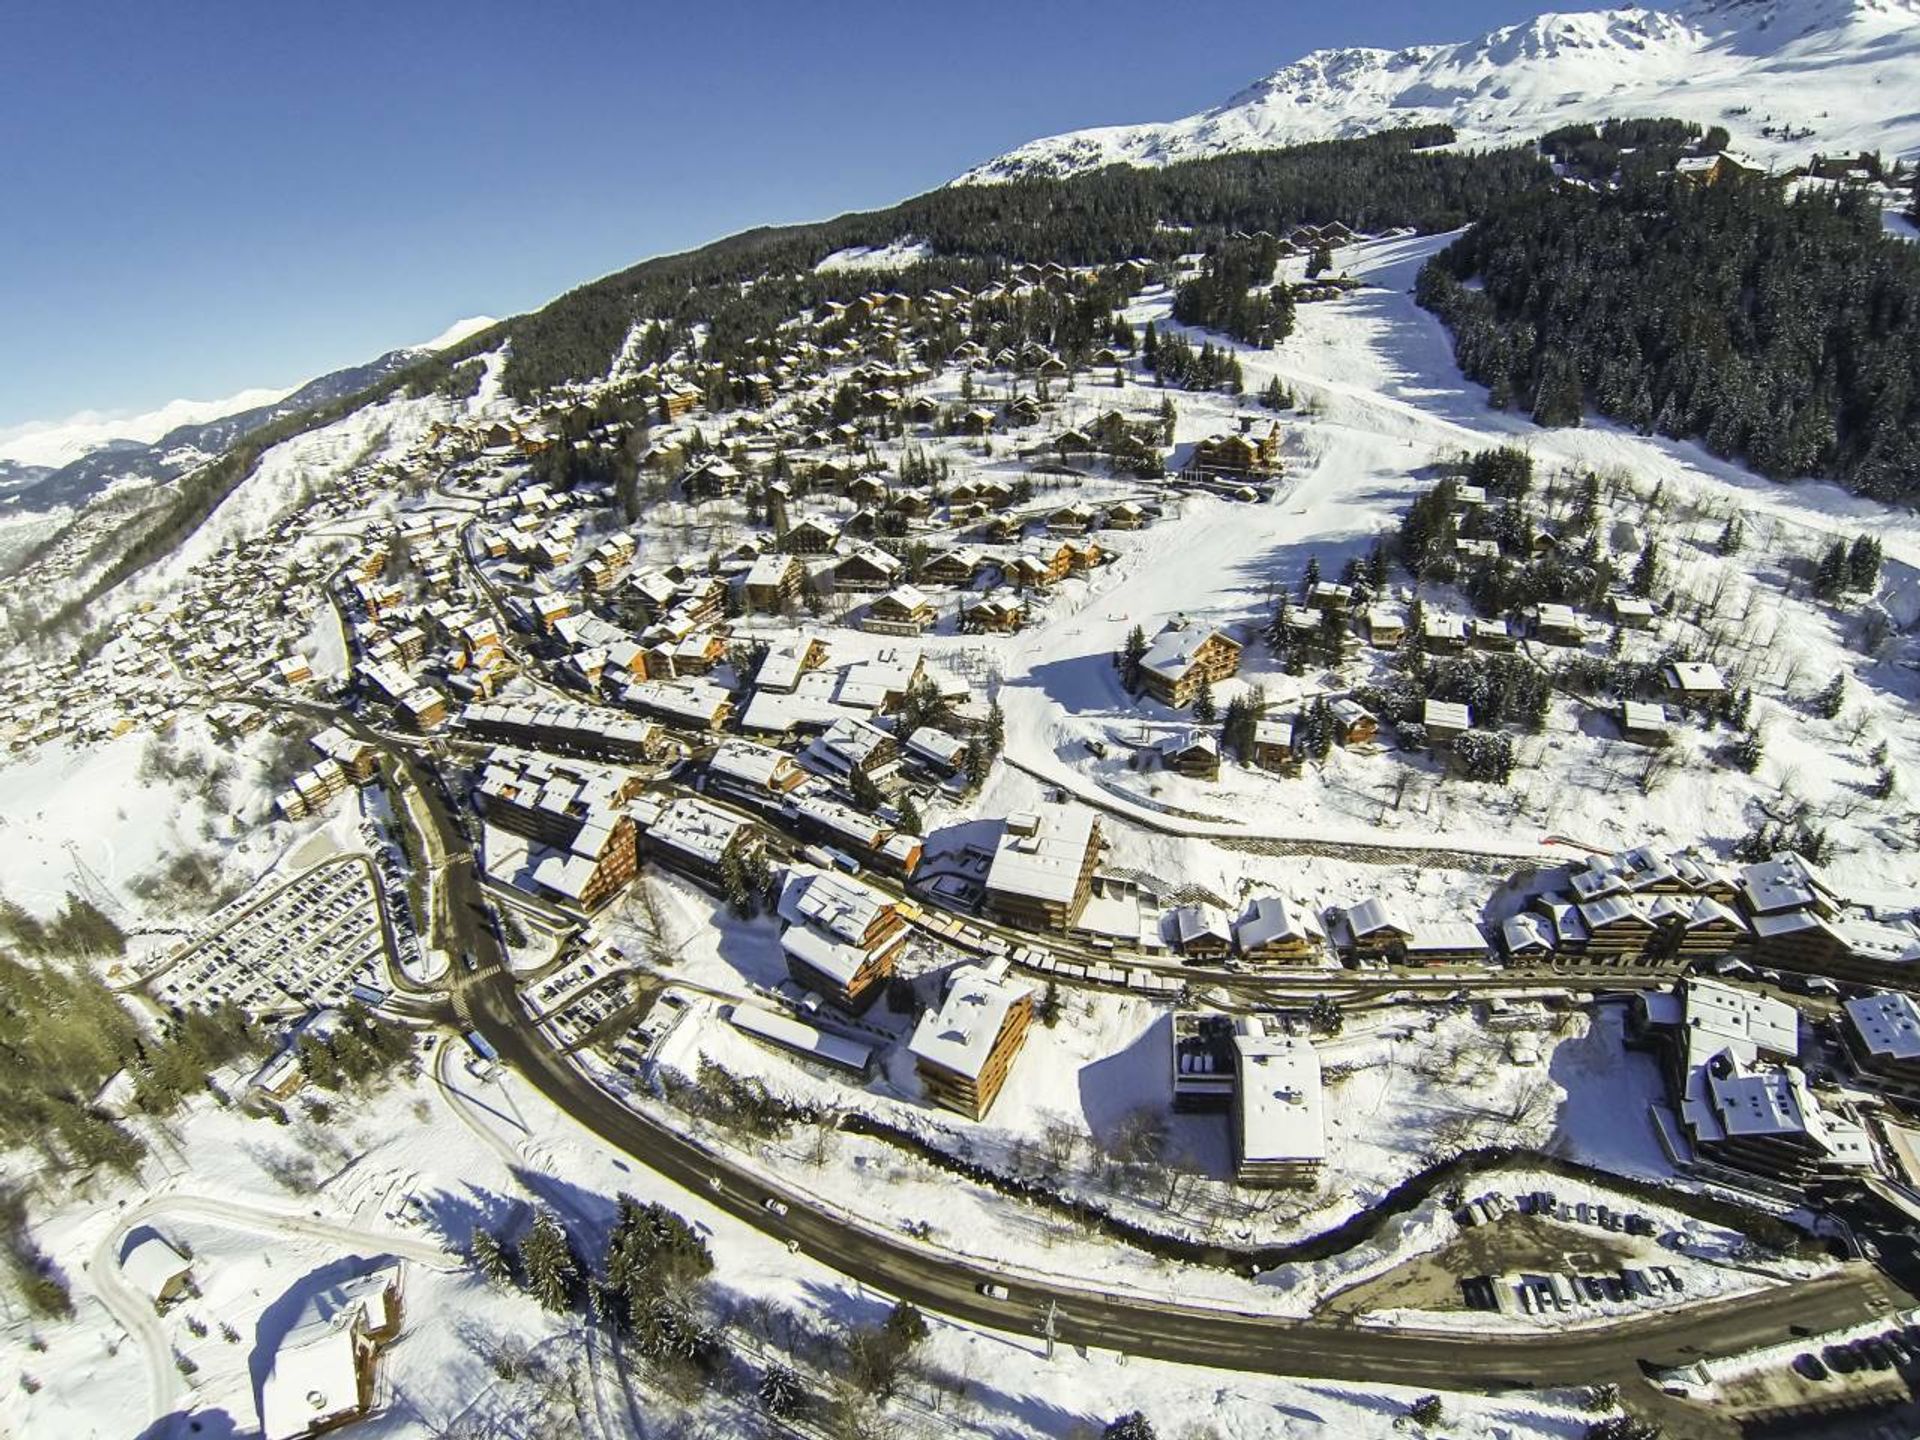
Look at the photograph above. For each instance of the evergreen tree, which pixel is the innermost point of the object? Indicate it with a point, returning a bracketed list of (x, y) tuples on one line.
[(1885, 783), (910, 820), (1747, 751), (1320, 261), (1834, 573), (866, 794), (1832, 699), (1204, 709), (1310, 578), (734, 884), (979, 763), (1130, 661), (546, 1255), (1733, 536), (1377, 566), (1317, 723), (1646, 570), (782, 1393), (1132, 1426), (1739, 708), (489, 1256), (995, 731), (1863, 564)]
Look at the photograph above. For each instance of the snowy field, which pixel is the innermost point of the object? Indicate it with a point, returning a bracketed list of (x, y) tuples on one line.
[(271, 1214)]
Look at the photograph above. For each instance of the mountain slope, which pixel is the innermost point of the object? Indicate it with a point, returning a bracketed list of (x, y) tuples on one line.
[(110, 461), (1784, 76)]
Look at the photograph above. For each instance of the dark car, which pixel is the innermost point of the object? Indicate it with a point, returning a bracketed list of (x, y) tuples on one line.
[(1808, 1364)]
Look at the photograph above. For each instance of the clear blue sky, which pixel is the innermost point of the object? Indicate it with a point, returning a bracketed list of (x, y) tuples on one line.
[(202, 197)]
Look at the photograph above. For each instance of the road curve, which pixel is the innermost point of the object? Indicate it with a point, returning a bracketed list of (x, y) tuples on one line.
[(486, 1000)]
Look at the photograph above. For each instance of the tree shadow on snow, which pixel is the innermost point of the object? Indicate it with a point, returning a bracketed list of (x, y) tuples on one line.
[(453, 1218)]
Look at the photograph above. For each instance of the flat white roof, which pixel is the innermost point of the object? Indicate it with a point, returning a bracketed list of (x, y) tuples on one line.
[(1280, 1105), (1044, 864), (791, 1034), (1719, 1017)]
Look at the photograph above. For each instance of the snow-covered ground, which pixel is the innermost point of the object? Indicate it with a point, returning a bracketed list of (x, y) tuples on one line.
[(896, 256), (271, 1214), (1381, 402), (97, 820), (1783, 76)]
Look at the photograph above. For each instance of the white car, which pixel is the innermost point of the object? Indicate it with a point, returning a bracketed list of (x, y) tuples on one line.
[(773, 1206), (995, 1291)]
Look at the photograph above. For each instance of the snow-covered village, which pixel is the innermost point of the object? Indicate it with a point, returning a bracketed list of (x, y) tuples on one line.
[(1156, 794)]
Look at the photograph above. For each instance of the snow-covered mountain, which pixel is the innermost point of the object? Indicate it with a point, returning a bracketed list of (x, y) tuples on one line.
[(1785, 77), (50, 444), (46, 465)]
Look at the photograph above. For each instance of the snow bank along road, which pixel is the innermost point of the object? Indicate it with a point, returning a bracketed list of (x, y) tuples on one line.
[(486, 999)]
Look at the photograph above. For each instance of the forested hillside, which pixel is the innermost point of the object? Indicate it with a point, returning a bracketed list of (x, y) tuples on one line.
[(1780, 332), (1382, 181)]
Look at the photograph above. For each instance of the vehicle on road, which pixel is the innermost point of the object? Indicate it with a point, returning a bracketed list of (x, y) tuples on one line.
[(774, 1206), (994, 1291)]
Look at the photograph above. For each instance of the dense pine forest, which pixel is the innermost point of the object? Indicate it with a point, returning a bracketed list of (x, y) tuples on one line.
[(744, 286), (1781, 332)]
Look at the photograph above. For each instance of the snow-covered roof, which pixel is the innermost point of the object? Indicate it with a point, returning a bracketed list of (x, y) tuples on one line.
[(691, 701), (1273, 920), (835, 904), (755, 766), (770, 571), (1719, 1017), (959, 1035), (315, 1375), (1279, 1113), (938, 746), (1041, 854), (1786, 882), (786, 1031), (696, 828), (1887, 1024), (1173, 651), (1375, 916), (1187, 924), (1695, 677), (153, 1265)]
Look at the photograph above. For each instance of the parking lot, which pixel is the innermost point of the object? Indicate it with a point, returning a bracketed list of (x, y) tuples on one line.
[(304, 945)]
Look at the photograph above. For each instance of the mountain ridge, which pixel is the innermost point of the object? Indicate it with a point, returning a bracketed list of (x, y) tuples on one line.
[(1821, 63), (115, 459)]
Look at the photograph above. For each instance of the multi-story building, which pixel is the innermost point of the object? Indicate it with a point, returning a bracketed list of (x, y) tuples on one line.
[(841, 938), (1882, 1032), (964, 1050), (1042, 870), (1181, 658), (1279, 1125)]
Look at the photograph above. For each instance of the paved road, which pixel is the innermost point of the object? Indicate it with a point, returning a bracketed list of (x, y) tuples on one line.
[(486, 1000)]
